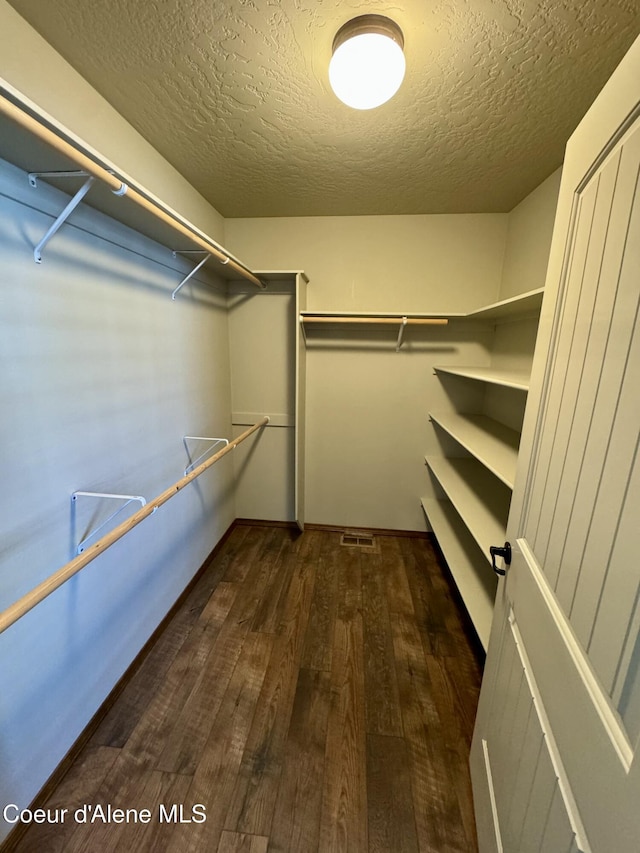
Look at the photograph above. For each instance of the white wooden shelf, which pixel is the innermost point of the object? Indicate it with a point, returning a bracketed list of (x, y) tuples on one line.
[(517, 306), (493, 444), (474, 578), (521, 305), (481, 502), (372, 316), (518, 379)]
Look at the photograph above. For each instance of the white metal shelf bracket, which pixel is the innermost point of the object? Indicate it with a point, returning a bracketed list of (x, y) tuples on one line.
[(403, 325), (127, 498), (71, 206), (214, 443), (66, 213), (75, 173), (207, 255)]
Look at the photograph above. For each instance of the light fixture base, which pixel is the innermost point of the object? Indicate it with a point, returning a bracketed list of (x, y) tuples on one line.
[(368, 24)]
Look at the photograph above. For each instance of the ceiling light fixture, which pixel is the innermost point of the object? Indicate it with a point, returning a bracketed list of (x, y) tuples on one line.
[(367, 66)]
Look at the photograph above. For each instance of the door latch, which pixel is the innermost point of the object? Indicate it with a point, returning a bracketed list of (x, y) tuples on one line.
[(504, 552)]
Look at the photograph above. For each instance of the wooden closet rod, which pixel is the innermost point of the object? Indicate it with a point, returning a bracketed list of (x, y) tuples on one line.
[(44, 133), (40, 592), (410, 321)]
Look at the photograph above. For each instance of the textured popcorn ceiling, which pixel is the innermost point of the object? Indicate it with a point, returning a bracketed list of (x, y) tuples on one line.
[(235, 94)]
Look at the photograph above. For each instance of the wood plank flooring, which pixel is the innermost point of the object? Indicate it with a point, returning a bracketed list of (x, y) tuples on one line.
[(306, 698)]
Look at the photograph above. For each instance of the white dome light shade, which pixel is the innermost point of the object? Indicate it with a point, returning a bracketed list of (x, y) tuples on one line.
[(367, 66)]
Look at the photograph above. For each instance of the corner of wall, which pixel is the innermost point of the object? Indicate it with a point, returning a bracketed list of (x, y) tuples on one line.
[(529, 231)]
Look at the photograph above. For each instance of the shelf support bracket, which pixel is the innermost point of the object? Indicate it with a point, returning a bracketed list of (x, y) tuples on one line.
[(75, 173), (66, 213), (127, 498), (401, 333), (214, 443), (75, 201), (194, 270)]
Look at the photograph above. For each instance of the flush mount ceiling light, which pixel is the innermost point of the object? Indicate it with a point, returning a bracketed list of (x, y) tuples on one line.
[(367, 66)]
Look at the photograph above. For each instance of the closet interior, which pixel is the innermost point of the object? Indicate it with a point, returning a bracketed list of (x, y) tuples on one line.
[(476, 414), (140, 348)]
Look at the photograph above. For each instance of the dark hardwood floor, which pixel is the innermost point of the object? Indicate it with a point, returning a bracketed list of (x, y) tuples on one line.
[(307, 697)]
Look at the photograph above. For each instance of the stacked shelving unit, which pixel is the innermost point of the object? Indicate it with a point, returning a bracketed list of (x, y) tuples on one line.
[(473, 485)]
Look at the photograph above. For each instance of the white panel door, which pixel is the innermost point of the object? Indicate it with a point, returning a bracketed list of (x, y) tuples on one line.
[(556, 752)]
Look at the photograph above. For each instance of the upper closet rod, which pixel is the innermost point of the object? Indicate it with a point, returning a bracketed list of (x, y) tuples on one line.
[(41, 131), (40, 592)]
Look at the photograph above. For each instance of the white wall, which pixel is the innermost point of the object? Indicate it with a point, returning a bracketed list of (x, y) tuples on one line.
[(262, 354), (381, 263), (529, 239), (101, 375), (367, 425)]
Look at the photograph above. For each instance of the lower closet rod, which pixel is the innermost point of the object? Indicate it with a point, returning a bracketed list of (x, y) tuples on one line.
[(40, 592)]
